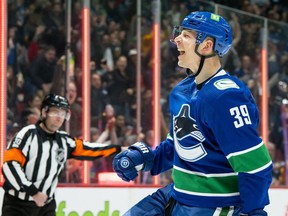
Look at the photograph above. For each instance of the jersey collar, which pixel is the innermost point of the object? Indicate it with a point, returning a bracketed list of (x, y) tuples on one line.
[(220, 72)]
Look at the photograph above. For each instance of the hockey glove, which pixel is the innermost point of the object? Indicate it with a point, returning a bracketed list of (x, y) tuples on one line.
[(137, 157)]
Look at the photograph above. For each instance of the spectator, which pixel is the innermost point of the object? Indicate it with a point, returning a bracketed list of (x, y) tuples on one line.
[(246, 71), (98, 29), (251, 8), (32, 111), (277, 108), (107, 50), (15, 93), (76, 111), (249, 74), (132, 64), (120, 88), (108, 136), (147, 112), (42, 70), (59, 79), (54, 21), (120, 126), (99, 99), (12, 48), (111, 8), (104, 69), (129, 136), (109, 131), (274, 59), (78, 81), (263, 5)]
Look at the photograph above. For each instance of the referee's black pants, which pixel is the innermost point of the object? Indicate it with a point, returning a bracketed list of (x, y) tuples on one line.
[(13, 206)]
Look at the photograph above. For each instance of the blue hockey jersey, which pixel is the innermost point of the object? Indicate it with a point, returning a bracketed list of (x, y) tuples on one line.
[(217, 156)]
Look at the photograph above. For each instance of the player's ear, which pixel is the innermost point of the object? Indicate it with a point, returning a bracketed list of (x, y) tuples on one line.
[(207, 46)]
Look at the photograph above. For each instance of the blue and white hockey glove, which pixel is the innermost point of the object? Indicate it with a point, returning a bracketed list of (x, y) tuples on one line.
[(137, 157)]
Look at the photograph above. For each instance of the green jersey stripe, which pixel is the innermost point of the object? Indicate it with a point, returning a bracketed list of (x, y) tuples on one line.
[(206, 185), (226, 211), (245, 162)]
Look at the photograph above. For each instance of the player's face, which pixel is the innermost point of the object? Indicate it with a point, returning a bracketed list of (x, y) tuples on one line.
[(186, 42)]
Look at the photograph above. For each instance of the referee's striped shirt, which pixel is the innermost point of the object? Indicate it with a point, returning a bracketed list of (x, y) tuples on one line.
[(34, 160)]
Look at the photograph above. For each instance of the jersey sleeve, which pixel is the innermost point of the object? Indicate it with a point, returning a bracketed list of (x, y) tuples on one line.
[(15, 159), (233, 119), (164, 155), (84, 150)]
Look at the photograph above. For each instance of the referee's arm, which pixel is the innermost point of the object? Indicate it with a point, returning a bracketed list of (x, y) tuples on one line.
[(13, 172), (89, 151)]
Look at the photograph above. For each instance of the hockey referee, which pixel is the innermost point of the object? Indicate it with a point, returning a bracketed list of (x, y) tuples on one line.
[(36, 156)]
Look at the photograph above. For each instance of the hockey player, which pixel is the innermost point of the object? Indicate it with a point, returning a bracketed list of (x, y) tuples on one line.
[(220, 164), (36, 156)]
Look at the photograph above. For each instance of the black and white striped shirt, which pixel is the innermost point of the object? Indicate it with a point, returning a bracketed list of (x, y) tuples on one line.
[(34, 160)]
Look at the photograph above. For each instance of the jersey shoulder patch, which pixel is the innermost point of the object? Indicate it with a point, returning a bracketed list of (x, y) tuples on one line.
[(225, 83)]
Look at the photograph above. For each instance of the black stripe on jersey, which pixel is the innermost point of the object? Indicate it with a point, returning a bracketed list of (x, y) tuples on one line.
[(14, 174), (48, 166), (59, 141), (7, 185), (54, 180), (17, 193), (25, 138), (26, 196), (38, 158), (60, 144), (90, 158), (99, 147)]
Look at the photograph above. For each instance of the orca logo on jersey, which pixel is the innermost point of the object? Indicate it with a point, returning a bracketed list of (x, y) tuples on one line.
[(60, 155), (185, 125), (187, 136)]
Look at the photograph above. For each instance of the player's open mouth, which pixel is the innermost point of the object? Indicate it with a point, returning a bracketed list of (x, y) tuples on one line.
[(181, 52)]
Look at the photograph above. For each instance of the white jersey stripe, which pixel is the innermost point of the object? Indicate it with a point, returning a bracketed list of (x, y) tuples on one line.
[(245, 151)]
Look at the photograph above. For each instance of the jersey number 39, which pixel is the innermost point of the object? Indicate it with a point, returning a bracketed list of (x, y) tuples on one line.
[(241, 115)]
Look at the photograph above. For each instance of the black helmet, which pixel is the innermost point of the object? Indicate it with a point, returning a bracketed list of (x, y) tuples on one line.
[(54, 100)]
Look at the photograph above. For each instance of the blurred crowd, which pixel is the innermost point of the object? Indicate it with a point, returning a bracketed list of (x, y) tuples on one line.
[(36, 66)]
